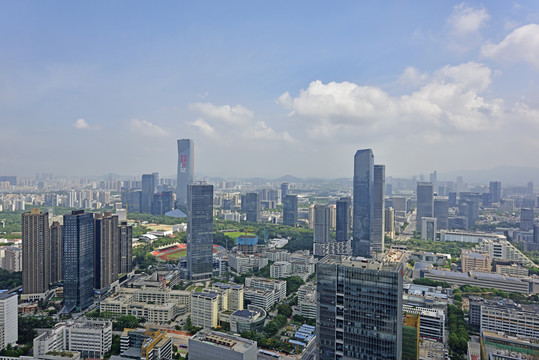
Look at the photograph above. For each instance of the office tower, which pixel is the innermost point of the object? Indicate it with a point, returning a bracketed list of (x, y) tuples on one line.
[(134, 201), (378, 194), (363, 201), (155, 181), (400, 203), (321, 227), (78, 261), (125, 248), (290, 210), (250, 205), (469, 202), (186, 169), (36, 253), (148, 187), (332, 216), (359, 309), (460, 184), (441, 212), (9, 326), (433, 177), (530, 188), (495, 191), (428, 228), (452, 199), (162, 203), (105, 250), (56, 252), (344, 219), (526, 219), (285, 189), (199, 231), (424, 202), (536, 233)]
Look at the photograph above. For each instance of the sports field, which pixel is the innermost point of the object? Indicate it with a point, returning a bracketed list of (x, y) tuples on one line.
[(177, 251)]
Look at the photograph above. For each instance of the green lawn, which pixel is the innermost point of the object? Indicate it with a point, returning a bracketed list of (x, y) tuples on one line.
[(235, 234), (177, 255)]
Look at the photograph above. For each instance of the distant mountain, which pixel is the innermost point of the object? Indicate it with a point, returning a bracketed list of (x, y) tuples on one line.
[(507, 174)]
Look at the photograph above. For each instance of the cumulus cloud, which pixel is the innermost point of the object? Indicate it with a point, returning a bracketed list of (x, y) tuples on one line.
[(448, 102), (81, 124), (230, 114), (521, 45), (232, 122), (466, 20), (143, 127)]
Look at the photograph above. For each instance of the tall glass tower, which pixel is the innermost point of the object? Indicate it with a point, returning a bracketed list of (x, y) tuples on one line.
[(363, 199), (186, 169), (199, 231), (78, 261), (377, 231), (359, 309)]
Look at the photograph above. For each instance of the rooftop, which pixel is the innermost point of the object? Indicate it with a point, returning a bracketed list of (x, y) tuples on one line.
[(229, 342), (360, 262)]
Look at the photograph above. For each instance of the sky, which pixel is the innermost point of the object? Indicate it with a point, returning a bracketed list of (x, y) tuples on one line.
[(267, 88)]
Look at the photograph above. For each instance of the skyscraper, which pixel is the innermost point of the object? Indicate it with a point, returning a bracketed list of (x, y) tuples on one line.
[(78, 261), (199, 231), (36, 254), (56, 252), (125, 251), (441, 212), (105, 250), (526, 219), (290, 210), (148, 189), (344, 219), (363, 197), (186, 169), (424, 203), (285, 189), (321, 227), (359, 309), (379, 185), (250, 205), (162, 203), (495, 191)]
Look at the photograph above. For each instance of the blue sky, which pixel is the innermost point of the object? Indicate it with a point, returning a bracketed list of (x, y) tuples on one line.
[(267, 89)]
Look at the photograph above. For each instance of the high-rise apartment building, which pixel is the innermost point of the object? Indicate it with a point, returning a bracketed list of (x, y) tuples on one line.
[(56, 252), (250, 205), (186, 169), (9, 326), (495, 191), (344, 218), (363, 199), (125, 248), (424, 203), (78, 261), (36, 263), (285, 189), (106, 247), (290, 210), (200, 231), (378, 195), (148, 189), (359, 309)]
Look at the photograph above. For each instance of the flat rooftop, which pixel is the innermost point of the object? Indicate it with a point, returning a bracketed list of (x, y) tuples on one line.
[(360, 262), (224, 341)]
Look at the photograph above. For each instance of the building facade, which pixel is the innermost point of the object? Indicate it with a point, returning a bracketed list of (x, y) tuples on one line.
[(363, 198), (186, 169), (378, 194), (343, 219), (36, 257), (290, 210), (359, 312), (424, 203), (250, 205), (8, 320), (78, 261), (106, 247), (200, 231)]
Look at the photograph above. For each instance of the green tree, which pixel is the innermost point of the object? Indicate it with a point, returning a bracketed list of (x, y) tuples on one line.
[(284, 309), (125, 322)]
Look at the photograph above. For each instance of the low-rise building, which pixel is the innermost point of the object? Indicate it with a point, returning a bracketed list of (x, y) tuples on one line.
[(512, 270), (250, 319), (207, 344), (475, 261), (205, 309), (92, 339), (8, 320), (244, 263), (280, 269), (144, 344), (235, 295), (259, 297), (279, 286), (276, 254), (431, 324)]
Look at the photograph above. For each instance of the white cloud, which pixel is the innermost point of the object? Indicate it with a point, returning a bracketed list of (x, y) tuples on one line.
[(230, 114), (143, 127), (203, 126), (466, 20), (234, 122), (412, 76), (81, 124), (448, 102), (521, 44)]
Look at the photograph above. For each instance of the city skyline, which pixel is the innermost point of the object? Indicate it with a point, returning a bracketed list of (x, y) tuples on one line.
[(439, 80)]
